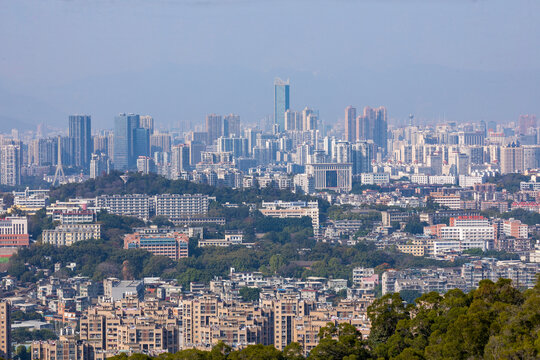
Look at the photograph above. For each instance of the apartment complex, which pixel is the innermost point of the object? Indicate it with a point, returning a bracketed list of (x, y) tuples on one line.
[(175, 206), (293, 209), (73, 216), (179, 205), (68, 234), (65, 348), (450, 201), (137, 205), (130, 326), (5, 330)]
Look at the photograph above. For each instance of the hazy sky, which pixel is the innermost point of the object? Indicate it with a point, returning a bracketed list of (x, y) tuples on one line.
[(180, 59)]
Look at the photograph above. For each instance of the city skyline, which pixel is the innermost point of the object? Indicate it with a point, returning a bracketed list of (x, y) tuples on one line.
[(460, 61)]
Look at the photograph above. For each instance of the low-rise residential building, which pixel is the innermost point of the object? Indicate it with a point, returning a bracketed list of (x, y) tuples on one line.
[(375, 178), (293, 209), (391, 216), (74, 216), (68, 234), (115, 289), (450, 201), (231, 238)]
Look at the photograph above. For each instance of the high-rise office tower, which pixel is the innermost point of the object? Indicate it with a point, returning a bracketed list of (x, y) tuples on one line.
[(281, 102), (380, 129), (350, 124), (373, 125), (361, 157), (5, 330), (124, 126), (214, 127), (511, 159), (147, 122), (195, 150), (180, 159), (10, 165), (80, 137), (141, 142), (231, 125)]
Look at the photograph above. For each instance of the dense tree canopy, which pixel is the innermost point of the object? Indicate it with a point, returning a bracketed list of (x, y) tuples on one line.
[(495, 321)]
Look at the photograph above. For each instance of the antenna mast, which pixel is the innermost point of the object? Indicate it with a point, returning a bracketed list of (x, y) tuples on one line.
[(59, 168)]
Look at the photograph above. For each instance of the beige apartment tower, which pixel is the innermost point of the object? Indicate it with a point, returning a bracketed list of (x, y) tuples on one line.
[(5, 330)]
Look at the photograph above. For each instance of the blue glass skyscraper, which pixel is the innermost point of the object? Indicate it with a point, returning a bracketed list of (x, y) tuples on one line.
[(281, 102), (80, 137), (124, 126)]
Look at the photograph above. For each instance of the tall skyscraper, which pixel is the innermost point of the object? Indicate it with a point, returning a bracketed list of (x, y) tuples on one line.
[(160, 142), (214, 127), (293, 120), (141, 142), (350, 124), (361, 157), (380, 129), (10, 165), (281, 102), (180, 159), (124, 126), (373, 125), (231, 125), (511, 159), (147, 122), (80, 137), (5, 330), (99, 165)]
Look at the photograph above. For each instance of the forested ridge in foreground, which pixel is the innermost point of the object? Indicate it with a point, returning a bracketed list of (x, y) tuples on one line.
[(495, 321)]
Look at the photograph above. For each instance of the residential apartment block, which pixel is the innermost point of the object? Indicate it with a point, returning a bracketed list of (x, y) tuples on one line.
[(136, 205), (68, 234), (293, 209), (5, 330), (176, 205)]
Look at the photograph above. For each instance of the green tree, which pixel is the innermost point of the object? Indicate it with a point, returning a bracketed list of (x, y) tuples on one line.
[(21, 353), (161, 221), (341, 341), (257, 352), (384, 314), (293, 351), (250, 294)]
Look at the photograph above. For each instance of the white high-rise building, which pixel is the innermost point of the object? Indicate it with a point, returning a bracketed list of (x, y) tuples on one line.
[(10, 165)]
